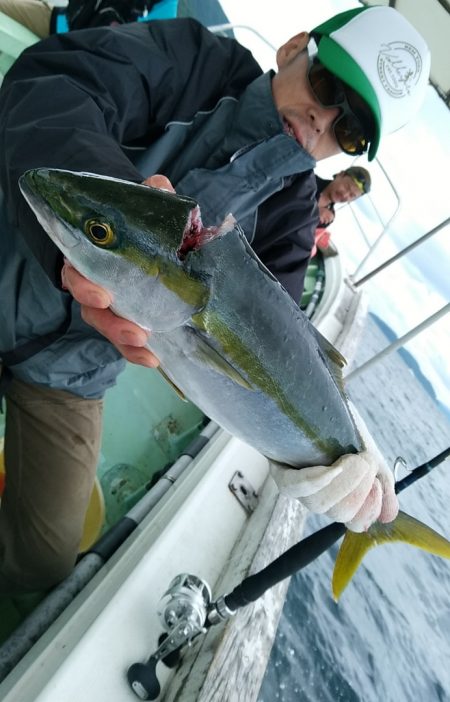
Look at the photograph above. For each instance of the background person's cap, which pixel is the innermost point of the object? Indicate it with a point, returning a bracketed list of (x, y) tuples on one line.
[(379, 54), (361, 176)]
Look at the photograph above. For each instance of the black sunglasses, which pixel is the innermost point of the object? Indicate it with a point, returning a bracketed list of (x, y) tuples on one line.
[(351, 131)]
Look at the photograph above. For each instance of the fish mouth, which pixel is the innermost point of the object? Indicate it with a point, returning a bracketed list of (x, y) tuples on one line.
[(34, 185)]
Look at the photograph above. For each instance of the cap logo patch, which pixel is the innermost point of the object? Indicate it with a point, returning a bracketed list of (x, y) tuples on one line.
[(399, 67)]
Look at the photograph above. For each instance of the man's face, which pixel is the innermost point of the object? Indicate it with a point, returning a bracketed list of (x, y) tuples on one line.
[(303, 116), (343, 188)]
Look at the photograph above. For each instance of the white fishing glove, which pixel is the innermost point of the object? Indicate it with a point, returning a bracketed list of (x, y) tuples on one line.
[(357, 489)]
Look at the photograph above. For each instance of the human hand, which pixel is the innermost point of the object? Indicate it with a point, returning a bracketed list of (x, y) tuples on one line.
[(127, 337), (357, 489), (326, 216)]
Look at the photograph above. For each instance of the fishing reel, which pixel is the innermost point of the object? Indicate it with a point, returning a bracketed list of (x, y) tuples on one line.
[(185, 611)]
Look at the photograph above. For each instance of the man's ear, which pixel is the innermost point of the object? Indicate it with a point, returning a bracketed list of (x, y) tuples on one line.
[(294, 46)]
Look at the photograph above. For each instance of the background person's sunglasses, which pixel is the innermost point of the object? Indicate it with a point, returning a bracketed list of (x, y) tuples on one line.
[(349, 130)]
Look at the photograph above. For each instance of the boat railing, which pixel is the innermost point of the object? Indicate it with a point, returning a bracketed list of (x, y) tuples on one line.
[(230, 27), (384, 224), (399, 342)]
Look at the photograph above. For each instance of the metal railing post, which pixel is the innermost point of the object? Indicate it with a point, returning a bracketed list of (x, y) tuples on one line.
[(400, 254), (400, 342)]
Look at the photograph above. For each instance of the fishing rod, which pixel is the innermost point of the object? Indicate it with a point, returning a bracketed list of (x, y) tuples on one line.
[(187, 609)]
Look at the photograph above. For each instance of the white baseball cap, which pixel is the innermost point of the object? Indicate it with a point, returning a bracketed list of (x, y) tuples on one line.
[(383, 58)]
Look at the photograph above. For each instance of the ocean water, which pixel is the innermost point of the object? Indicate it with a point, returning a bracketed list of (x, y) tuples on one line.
[(388, 637)]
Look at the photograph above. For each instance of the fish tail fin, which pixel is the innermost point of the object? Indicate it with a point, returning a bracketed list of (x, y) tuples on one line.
[(404, 528)]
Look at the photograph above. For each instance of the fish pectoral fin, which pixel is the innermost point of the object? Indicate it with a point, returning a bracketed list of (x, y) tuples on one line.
[(404, 528), (174, 387), (216, 361), (330, 351), (335, 360)]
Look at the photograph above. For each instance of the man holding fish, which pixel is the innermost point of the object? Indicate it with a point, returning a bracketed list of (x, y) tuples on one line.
[(168, 98)]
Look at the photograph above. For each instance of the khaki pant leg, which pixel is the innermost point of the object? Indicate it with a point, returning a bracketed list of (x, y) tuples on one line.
[(32, 14), (52, 444)]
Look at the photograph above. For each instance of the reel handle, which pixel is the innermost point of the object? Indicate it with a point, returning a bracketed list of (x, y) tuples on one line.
[(183, 610), (143, 679)]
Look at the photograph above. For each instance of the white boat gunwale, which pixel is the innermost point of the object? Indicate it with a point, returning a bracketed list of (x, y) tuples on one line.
[(51, 668)]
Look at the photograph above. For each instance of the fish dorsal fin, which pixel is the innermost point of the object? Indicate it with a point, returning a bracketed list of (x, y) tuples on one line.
[(404, 528), (174, 387), (215, 360)]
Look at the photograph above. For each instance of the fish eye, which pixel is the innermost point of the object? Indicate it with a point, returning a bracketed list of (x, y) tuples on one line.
[(100, 233)]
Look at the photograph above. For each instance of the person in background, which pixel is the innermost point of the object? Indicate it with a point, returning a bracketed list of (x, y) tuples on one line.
[(166, 102), (43, 19), (346, 186)]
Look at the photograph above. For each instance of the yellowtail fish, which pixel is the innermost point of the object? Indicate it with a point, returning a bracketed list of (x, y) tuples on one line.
[(227, 334)]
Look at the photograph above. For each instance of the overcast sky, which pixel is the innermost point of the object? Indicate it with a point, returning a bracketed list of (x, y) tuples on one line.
[(416, 159)]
